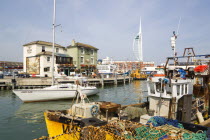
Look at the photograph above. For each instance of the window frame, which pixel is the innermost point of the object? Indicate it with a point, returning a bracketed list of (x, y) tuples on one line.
[(57, 50), (48, 59), (43, 48), (82, 50), (92, 52), (82, 59), (46, 69)]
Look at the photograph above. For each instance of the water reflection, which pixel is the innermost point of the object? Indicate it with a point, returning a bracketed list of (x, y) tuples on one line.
[(29, 116)]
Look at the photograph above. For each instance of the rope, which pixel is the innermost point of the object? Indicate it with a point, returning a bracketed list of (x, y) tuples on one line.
[(126, 130)]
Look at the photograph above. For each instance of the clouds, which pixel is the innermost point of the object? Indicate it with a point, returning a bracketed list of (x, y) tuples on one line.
[(108, 25)]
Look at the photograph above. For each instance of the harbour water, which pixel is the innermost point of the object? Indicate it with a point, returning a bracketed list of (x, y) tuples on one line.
[(25, 121)]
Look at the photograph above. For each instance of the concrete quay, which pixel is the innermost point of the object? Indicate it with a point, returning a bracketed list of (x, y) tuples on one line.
[(35, 82)]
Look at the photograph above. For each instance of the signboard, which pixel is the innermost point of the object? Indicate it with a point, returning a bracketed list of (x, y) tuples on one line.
[(33, 65)]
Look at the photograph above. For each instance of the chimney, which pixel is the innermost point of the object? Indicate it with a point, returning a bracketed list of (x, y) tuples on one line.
[(73, 42)]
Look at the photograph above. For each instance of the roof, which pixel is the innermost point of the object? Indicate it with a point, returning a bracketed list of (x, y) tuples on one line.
[(10, 63), (77, 44), (43, 43), (50, 53)]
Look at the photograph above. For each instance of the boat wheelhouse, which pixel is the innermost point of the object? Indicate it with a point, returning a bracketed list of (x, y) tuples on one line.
[(162, 90)]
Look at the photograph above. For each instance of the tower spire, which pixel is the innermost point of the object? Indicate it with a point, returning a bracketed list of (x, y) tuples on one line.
[(140, 42), (137, 44)]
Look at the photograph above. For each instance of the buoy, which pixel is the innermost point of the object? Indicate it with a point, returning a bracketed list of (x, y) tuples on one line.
[(200, 117), (159, 75)]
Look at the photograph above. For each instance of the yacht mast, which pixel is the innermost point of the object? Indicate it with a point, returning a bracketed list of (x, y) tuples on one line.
[(53, 45)]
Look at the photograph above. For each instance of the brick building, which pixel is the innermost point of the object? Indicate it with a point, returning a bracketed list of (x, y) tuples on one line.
[(124, 66)]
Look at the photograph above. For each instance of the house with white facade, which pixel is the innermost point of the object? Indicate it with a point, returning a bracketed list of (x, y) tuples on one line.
[(37, 59)]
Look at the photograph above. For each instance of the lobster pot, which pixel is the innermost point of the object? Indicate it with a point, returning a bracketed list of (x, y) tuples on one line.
[(87, 110)]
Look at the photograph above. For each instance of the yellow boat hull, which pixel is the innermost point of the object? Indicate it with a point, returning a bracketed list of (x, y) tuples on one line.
[(138, 75), (62, 131)]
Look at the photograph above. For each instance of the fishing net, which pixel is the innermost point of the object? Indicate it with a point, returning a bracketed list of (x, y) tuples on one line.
[(134, 112), (158, 121), (127, 130)]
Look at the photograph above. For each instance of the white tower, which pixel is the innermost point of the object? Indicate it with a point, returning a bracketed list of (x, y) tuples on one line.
[(137, 45)]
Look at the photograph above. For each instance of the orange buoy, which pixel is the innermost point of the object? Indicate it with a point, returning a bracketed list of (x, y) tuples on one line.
[(159, 75)]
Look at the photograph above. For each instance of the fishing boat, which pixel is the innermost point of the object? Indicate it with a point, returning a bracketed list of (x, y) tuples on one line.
[(106, 120), (106, 67), (177, 93), (138, 75), (54, 92)]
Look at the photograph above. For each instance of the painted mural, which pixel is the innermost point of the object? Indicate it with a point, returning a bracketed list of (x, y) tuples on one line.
[(33, 65)]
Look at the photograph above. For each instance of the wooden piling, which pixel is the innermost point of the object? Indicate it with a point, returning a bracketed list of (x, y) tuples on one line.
[(102, 79), (115, 79)]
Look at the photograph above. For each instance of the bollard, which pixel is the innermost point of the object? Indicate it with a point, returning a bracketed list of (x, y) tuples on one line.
[(115, 79)]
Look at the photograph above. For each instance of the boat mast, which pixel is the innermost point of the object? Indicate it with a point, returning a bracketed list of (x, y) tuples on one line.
[(53, 45)]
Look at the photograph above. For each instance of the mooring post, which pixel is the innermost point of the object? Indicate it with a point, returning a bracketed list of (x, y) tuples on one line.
[(107, 115), (13, 82), (124, 78), (115, 79), (102, 79)]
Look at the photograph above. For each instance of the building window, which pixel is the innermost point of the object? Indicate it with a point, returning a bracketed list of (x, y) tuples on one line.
[(46, 69), (48, 59), (82, 60), (29, 50), (43, 48), (92, 60), (82, 50), (92, 52), (57, 50)]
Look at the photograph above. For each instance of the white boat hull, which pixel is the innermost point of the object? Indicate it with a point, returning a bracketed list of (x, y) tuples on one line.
[(47, 94)]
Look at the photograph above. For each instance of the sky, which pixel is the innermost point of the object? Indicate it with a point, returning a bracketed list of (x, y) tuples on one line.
[(109, 25)]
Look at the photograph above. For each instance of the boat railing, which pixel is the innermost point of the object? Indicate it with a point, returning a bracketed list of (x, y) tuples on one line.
[(169, 90)]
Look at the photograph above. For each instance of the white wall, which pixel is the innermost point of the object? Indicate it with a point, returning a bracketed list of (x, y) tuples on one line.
[(35, 49)]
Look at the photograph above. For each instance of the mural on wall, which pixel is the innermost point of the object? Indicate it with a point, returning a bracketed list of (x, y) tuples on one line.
[(33, 65)]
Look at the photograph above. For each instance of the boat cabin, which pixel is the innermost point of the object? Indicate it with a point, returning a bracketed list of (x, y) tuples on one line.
[(162, 90)]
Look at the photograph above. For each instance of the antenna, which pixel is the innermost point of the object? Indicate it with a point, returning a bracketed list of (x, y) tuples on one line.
[(173, 39), (177, 31), (53, 46)]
